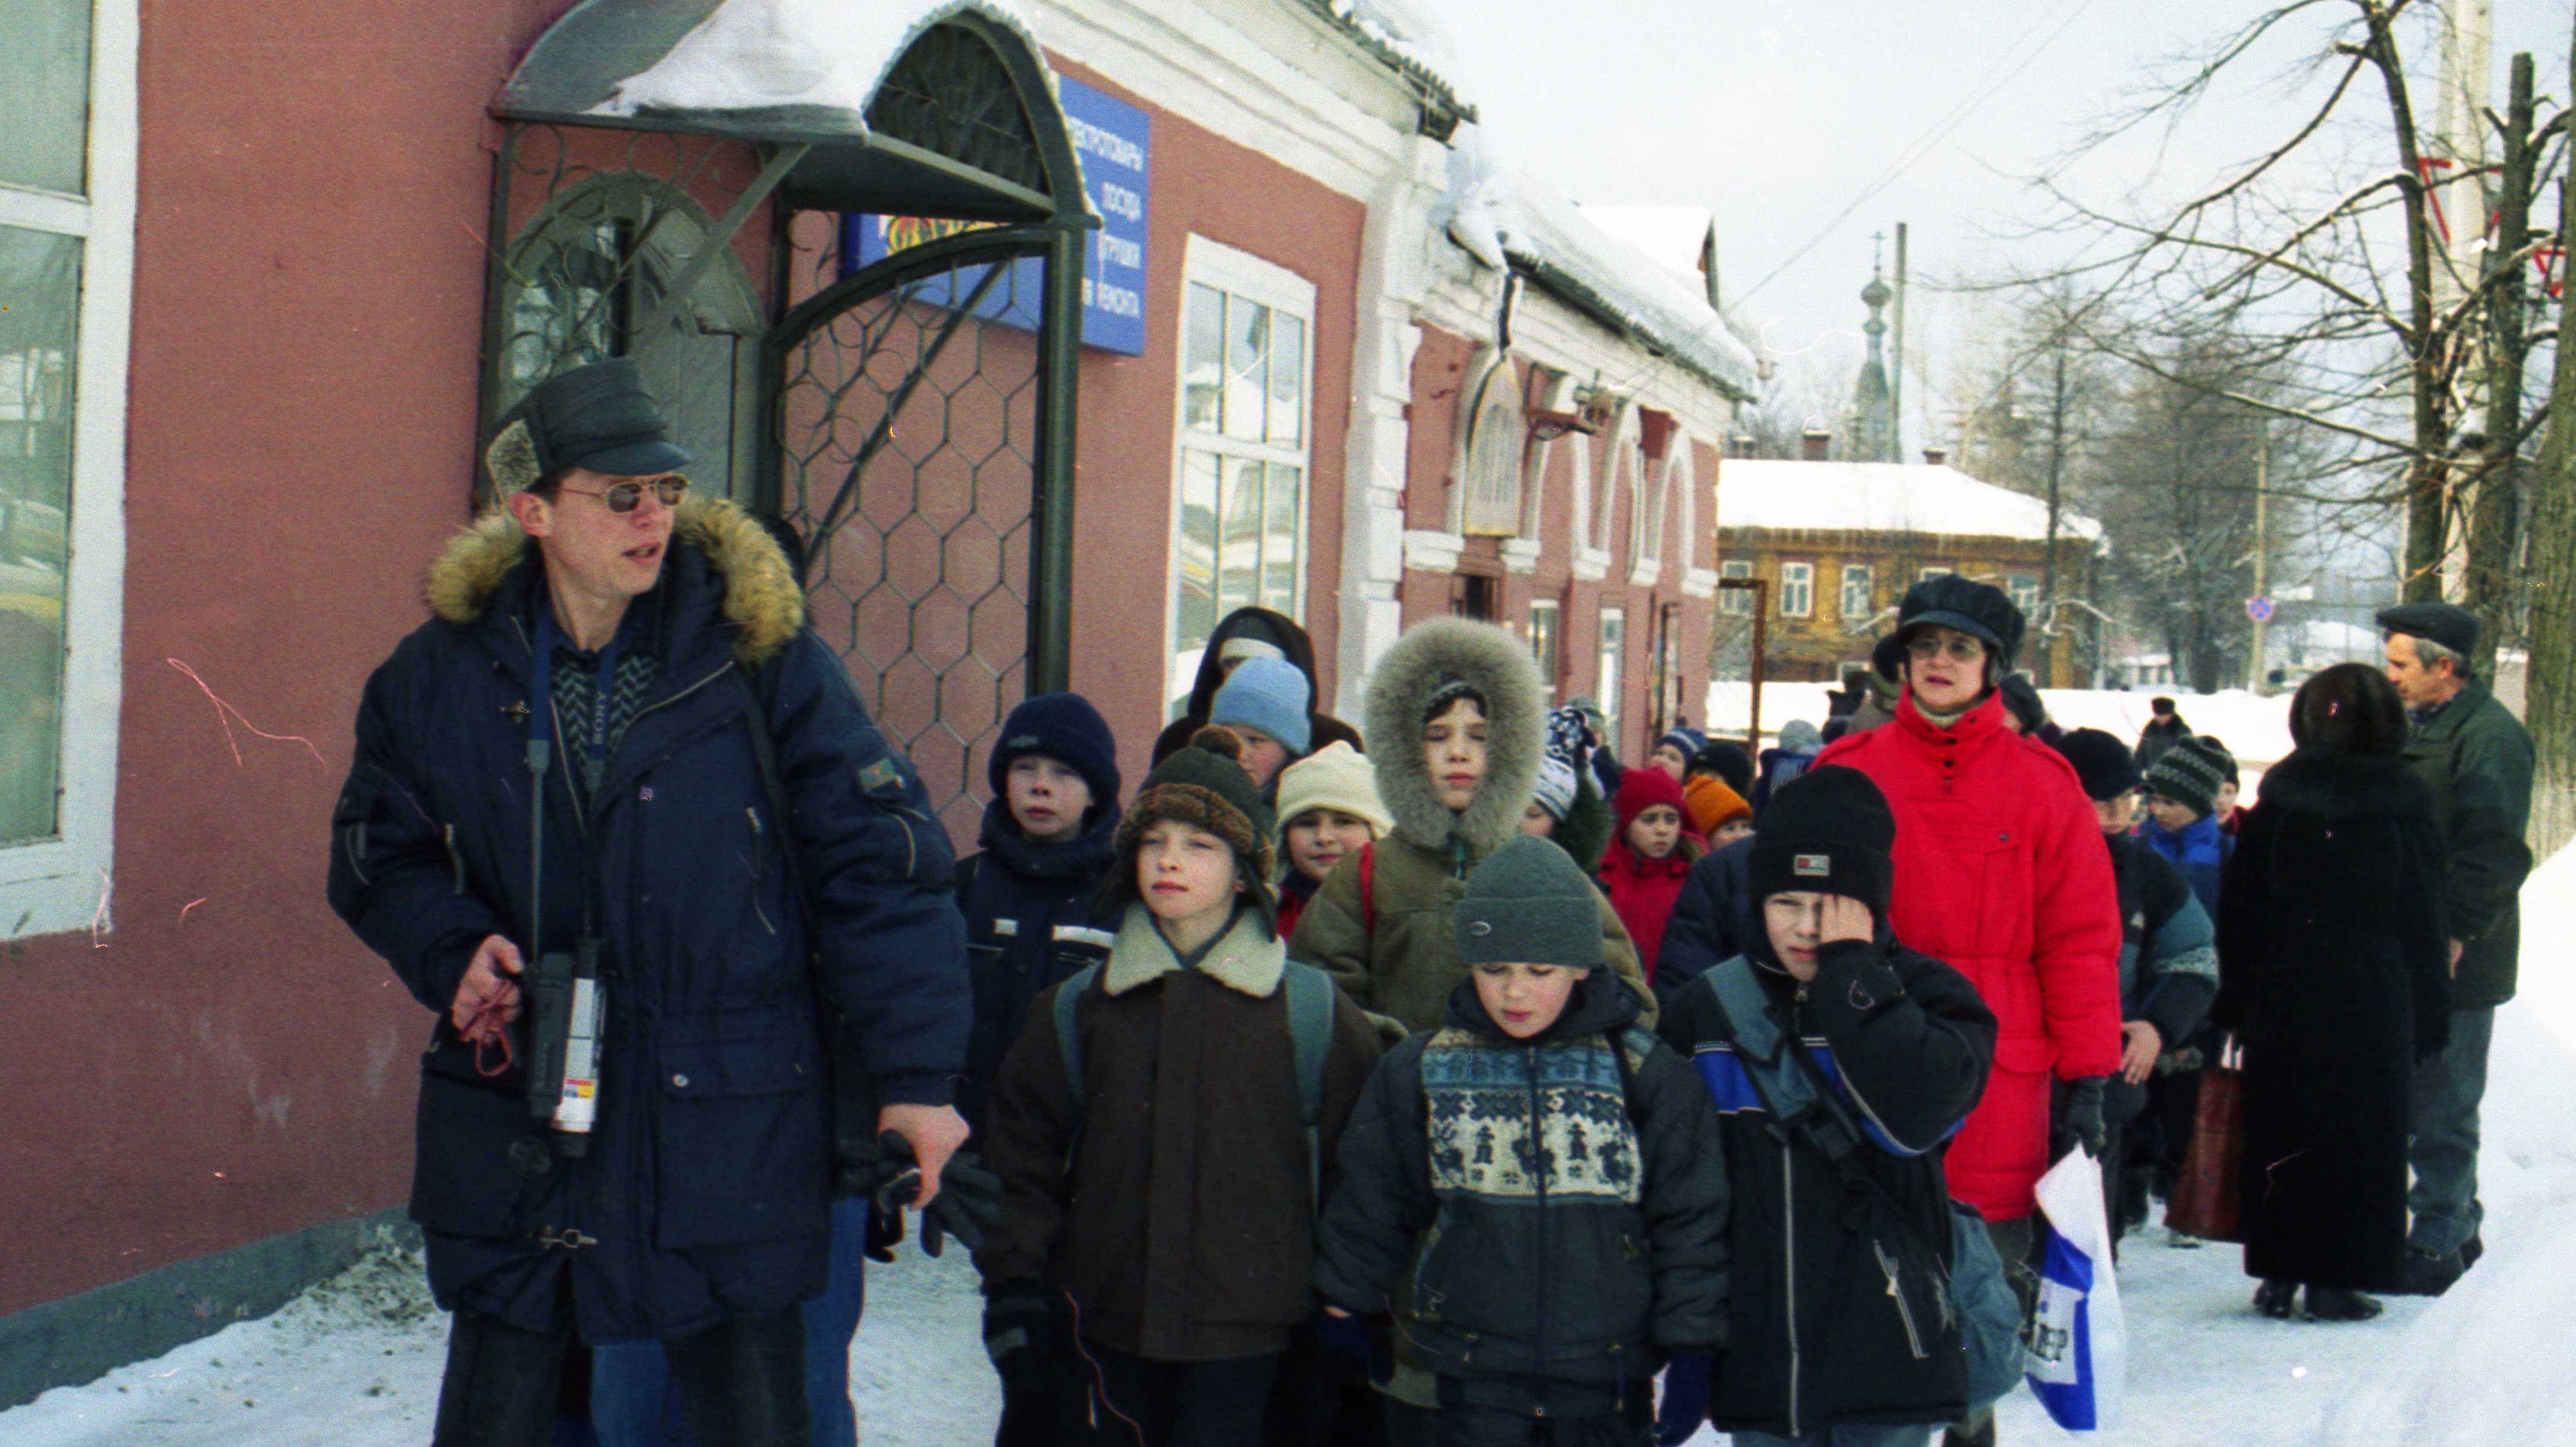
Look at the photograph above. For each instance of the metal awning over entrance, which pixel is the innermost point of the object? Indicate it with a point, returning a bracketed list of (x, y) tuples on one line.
[(687, 182)]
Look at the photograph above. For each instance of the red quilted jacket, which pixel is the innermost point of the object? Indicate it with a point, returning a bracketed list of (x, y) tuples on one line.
[(2000, 875)]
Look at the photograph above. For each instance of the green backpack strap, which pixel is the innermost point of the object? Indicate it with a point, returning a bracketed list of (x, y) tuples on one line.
[(1068, 1039), (1310, 1036)]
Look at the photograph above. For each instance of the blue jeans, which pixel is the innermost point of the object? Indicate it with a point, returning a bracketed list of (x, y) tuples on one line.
[(2448, 1088), (1840, 1436), (632, 1403)]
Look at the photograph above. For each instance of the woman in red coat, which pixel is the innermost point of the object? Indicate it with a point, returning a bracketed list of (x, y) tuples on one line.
[(1995, 877), (1649, 857)]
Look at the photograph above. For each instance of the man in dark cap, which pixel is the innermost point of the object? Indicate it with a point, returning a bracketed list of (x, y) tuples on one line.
[(624, 1129), (2472, 752)]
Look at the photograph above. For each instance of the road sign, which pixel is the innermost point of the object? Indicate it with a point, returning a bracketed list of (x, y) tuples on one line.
[(2259, 609)]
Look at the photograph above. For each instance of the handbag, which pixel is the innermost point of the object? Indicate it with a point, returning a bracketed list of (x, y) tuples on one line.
[(2205, 1200)]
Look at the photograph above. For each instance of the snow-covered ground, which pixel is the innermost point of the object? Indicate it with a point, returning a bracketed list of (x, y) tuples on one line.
[(355, 1362)]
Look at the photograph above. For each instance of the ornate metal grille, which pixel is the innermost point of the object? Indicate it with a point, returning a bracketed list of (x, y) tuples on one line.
[(906, 420), (950, 94), (601, 223)]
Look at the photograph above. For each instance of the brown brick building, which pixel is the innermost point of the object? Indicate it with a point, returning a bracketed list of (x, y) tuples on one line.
[(1840, 542)]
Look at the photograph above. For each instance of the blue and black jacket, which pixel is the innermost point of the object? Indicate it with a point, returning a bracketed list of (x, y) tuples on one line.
[(705, 1190), (1567, 1195), (1033, 917), (1817, 1335)]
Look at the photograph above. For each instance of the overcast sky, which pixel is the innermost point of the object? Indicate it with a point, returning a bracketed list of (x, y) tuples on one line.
[(1777, 116)]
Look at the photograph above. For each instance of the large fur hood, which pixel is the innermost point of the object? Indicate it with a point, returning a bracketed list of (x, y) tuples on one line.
[(1497, 666), (761, 595)]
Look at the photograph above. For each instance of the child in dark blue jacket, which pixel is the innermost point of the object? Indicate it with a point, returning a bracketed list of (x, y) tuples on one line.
[(1029, 893)]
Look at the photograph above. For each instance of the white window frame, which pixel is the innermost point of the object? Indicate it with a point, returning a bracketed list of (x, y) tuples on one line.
[(1867, 580), (1735, 602), (2023, 589), (1925, 575), (1797, 590), (1653, 510), (1240, 273), (1553, 661), (65, 883), (1610, 669)]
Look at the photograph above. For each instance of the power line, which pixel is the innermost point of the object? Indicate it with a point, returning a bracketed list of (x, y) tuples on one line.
[(1995, 80)]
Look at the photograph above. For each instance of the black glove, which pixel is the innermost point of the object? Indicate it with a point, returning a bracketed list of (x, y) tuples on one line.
[(2084, 1114), (1366, 1344), (970, 1197), (1018, 1332)]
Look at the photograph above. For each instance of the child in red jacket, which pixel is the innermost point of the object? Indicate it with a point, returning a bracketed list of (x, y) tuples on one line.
[(1649, 857)]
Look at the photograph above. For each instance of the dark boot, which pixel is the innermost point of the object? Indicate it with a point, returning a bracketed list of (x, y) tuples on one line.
[(2333, 1303), (2278, 1300), (2425, 1274), (2471, 1250)]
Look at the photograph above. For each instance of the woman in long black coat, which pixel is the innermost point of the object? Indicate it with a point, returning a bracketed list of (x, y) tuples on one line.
[(2333, 973)]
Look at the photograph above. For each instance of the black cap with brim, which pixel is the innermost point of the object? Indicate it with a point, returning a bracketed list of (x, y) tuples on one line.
[(2448, 624), (1943, 618), (600, 417)]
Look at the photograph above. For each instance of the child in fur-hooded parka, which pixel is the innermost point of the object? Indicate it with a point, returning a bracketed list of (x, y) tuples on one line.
[(1381, 924)]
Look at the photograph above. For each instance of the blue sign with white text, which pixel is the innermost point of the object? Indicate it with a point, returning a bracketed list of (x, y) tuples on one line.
[(1115, 142)]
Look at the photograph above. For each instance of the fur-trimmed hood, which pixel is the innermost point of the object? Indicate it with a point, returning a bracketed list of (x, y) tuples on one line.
[(761, 596), (1498, 666)]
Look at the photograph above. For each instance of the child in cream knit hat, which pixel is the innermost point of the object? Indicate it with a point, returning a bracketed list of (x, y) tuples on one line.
[(1328, 808)]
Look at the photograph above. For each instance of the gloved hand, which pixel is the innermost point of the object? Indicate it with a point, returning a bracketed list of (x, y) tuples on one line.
[(969, 1199), (2084, 1114), (1365, 1343), (1018, 1331), (1688, 1378)]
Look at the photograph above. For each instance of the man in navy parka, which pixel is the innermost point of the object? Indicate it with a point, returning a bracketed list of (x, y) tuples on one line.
[(698, 1212)]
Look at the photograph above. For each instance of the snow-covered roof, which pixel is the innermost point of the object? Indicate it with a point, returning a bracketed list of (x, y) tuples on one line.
[(1675, 236), (1898, 497), (1505, 215), (1409, 38), (827, 54)]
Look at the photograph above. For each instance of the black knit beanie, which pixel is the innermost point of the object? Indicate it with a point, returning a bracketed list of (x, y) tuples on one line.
[(2190, 773), (1827, 830), (2102, 763)]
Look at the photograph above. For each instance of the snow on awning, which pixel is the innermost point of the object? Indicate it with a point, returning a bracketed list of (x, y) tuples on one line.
[(1507, 216), (791, 71), (1884, 497)]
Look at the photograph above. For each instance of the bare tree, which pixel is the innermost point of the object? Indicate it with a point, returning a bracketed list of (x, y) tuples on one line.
[(2383, 344), (2550, 710)]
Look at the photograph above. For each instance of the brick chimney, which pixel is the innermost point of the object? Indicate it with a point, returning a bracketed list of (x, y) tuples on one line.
[(1935, 456), (1815, 444)]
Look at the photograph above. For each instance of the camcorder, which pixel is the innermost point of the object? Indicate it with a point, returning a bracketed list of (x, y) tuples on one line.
[(567, 1009)]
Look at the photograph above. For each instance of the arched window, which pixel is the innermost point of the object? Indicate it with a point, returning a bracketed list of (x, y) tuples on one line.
[(1653, 508), (593, 267), (1496, 443)]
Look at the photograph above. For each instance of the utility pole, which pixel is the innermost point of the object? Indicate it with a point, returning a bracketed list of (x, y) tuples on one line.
[(2262, 544), (1896, 373), (2056, 479)]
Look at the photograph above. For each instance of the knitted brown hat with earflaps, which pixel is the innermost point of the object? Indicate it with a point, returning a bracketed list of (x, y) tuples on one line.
[(1204, 787)]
